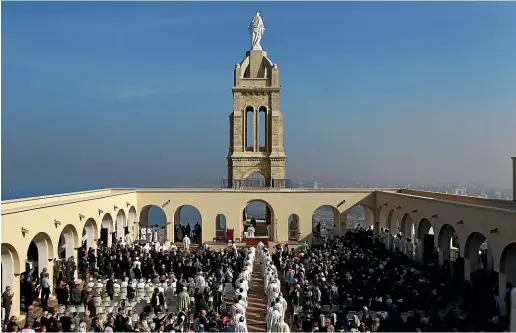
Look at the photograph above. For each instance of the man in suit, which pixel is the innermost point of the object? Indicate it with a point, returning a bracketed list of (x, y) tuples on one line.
[(7, 301)]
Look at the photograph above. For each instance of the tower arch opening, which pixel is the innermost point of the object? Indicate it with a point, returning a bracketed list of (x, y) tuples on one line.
[(262, 127), (249, 128)]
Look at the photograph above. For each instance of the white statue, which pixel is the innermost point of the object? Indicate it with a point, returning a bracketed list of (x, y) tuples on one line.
[(256, 30)]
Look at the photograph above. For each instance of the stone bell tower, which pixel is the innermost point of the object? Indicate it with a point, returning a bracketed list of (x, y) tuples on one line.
[(256, 123)]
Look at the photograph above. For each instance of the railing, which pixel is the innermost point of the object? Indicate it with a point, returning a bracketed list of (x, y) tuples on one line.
[(275, 184)]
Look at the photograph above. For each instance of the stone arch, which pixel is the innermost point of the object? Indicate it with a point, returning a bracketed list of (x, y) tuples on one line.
[(424, 228), (256, 178), (321, 220), (90, 234), (147, 229), (407, 235), (120, 224), (472, 254), (11, 268), (263, 214), (444, 244), (132, 217), (360, 215), (45, 250), (220, 226), (293, 227), (107, 230), (388, 224), (195, 223), (70, 237), (508, 263)]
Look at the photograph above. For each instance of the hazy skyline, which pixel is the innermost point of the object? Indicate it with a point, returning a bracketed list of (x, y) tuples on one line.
[(99, 94)]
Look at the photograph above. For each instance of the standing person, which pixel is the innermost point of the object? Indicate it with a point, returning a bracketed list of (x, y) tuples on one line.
[(186, 243), (45, 290), (7, 301)]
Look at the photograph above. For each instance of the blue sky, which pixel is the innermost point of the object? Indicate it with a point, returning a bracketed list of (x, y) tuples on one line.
[(99, 94)]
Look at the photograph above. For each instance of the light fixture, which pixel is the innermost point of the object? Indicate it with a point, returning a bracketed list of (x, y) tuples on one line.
[(494, 231), (166, 203), (385, 204), (434, 216), (127, 204), (414, 211), (460, 222), (24, 231), (100, 211), (81, 217), (115, 208), (398, 207), (56, 222)]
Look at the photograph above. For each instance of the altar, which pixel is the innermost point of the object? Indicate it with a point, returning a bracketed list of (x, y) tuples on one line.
[(253, 241)]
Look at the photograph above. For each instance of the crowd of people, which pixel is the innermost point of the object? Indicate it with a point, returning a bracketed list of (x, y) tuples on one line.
[(351, 283), (141, 288), (354, 283)]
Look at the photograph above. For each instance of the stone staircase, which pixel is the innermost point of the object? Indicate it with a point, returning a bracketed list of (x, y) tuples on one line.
[(257, 302)]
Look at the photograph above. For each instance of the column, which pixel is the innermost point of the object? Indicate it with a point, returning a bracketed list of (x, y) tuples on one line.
[(502, 281)]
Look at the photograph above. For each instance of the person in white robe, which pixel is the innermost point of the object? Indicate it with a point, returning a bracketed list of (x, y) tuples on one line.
[(200, 282), (241, 326), (284, 304), (250, 232), (272, 324), (283, 326), (143, 233), (184, 300), (128, 239), (186, 243), (155, 236)]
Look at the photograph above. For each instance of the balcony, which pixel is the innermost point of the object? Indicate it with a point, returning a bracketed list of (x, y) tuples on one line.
[(257, 184)]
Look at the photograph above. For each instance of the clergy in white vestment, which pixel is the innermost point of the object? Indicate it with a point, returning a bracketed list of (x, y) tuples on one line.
[(272, 323), (186, 243), (241, 326), (155, 236), (184, 300), (200, 282), (282, 326), (283, 303), (278, 306), (250, 231), (238, 317)]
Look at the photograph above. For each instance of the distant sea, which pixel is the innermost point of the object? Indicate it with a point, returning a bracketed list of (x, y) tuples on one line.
[(189, 214)]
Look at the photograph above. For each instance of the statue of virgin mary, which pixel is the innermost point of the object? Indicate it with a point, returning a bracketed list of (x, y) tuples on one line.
[(256, 30)]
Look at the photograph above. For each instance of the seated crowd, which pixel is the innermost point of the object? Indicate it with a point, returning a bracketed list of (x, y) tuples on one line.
[(133, 288), (353, 283)]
